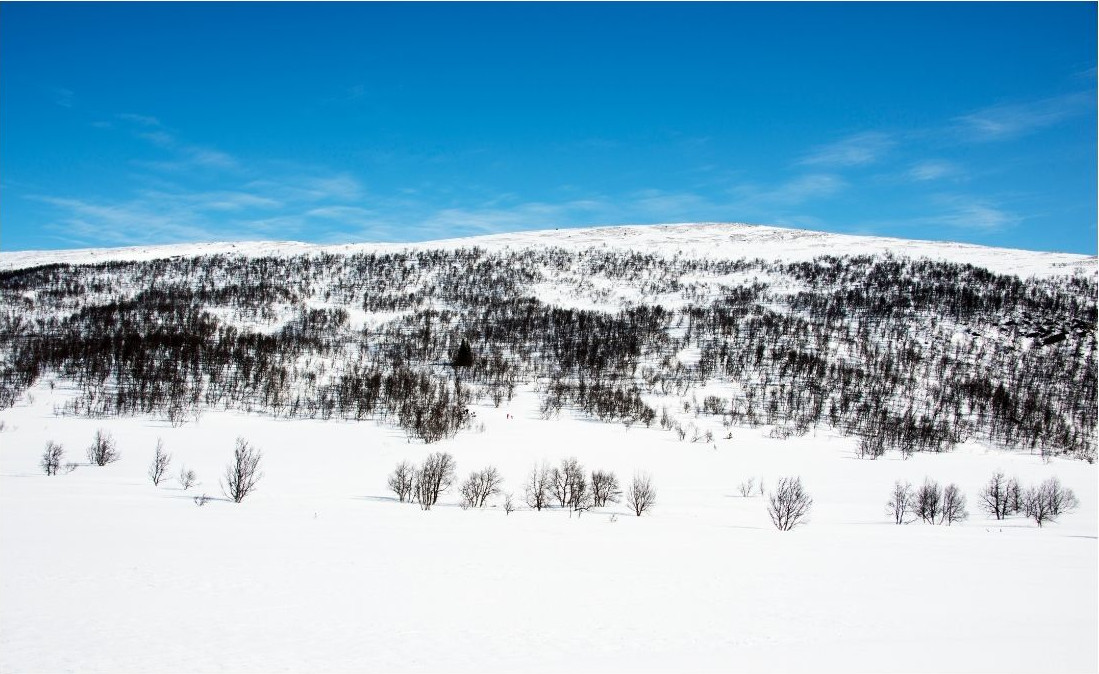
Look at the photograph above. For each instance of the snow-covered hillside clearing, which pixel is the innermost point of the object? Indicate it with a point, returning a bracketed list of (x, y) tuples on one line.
[(322, 569)]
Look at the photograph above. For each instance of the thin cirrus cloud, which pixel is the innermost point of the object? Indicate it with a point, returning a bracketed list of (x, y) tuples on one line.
[(184, 155), (858, 150), (62, 96), (1012, 120), (971, 213), (123, 223), (253, 200), (795, 191), (934, 169)]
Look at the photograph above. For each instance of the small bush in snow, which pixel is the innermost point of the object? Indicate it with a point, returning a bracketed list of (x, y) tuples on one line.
[(901, 503), (604, 488), (937, 505), (242, 474), (537, 488), (159, 466), (433, 478), (642, 494), (569, 485), (928, 501), (480, 486), (789, 503), (402, 479), (51, 458), (187, 478), (998, 497), (1048, 501), (953, 505), (201, 500), (509, 503), (103, 449), (871, 447), (745, 488)]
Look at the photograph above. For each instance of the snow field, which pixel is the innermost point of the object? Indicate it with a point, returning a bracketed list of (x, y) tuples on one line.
[(696, 240), (322, 570)]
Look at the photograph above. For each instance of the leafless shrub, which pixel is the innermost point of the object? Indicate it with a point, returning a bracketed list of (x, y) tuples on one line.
[(201, 500), (433, 478), (929, 501), (789, 503), (569, 485), (509, 503), (996, 496), (901, 503), (871, 447), (1048, 501), (642, 494), (604, 488), (187, 478), (953, 505), (242, 474), (51, 458), (70, 467), (480, 486), (159, 466), (745, 488), (937, 505), (665, 418), (1016, 497), (103, 449), (402, 479), (537, 488)]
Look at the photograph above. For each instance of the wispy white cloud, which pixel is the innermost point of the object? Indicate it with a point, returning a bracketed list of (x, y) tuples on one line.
[(292, 183), (857, 150), (220, 200), (970, 213), (792, 192), (142, 120), (170, 208), (125, 223), (932, 169), (184, 156), (158, 138), (1005, 121), (62, 96)]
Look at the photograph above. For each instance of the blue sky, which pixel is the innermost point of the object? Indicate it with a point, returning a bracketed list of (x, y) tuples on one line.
[(128, 124)]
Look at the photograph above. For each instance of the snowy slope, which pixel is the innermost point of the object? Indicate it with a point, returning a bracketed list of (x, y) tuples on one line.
[(322, 570), (708, 240)]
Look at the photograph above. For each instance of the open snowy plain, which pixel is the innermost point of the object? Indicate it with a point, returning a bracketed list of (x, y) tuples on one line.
[(322, 569)]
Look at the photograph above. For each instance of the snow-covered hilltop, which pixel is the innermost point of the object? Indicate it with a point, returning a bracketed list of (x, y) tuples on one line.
[(708, 240)]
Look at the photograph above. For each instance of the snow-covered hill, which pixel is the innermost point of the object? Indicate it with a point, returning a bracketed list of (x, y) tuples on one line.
[(709, 240), (717, 359)]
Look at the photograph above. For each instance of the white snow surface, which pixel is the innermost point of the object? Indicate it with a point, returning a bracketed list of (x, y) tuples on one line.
[(710, 240), (321, 570)]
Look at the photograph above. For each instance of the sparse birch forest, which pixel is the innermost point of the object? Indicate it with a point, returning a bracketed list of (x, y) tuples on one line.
[(909, 355)]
